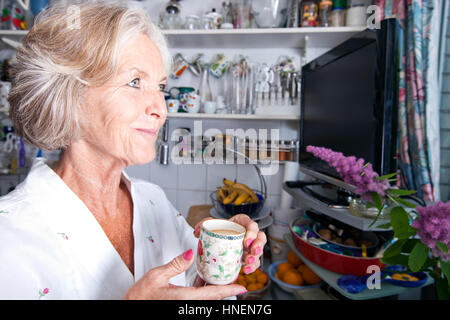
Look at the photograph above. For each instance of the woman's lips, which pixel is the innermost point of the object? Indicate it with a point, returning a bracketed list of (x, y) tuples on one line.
[(150, 132)]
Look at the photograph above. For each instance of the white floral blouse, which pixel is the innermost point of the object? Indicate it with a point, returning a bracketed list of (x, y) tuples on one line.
[(52, 247)]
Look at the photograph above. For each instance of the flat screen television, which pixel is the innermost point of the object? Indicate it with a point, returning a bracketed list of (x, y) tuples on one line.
[(349, 102)]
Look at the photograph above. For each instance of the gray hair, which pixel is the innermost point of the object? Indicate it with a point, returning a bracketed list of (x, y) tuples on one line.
[(59, 59)]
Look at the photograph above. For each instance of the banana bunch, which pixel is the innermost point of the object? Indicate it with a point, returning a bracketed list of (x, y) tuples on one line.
[(236, 193)]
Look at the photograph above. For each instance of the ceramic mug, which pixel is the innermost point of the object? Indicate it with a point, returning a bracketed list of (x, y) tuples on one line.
[(193, 103), (210, 106), (219, 252), (172, 105)]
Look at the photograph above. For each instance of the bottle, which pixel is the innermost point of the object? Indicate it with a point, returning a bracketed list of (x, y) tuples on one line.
[(293, 14), (324, 11), (310, 12)]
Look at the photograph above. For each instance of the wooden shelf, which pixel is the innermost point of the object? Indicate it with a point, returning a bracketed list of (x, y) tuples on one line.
[(259, 37), (181, 115), (387, 289)]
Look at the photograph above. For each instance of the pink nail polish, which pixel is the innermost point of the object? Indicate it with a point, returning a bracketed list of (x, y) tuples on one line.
[(251, 259), (188, 255), (242, 292), (249, 242), (258, 250), (247, 269)]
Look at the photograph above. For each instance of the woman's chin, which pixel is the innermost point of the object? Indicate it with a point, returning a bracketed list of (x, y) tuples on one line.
[(143, 158)]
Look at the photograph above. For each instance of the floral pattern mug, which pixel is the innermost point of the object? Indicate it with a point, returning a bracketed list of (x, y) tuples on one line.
[(219, 254)]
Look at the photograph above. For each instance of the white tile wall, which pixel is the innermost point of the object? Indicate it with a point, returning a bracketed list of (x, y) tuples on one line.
[(186, 185)]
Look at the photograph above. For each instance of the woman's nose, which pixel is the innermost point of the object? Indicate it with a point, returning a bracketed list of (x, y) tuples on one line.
[(157, 108)]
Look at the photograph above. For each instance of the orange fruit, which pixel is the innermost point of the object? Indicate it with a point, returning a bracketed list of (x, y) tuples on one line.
[(283, 267), (310, 277), (301, 267), (262, 278), (292, 277), (253, 287), (250, 278), (294, 259)]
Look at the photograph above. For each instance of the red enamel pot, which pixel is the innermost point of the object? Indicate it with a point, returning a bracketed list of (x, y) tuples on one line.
[(330, 260)]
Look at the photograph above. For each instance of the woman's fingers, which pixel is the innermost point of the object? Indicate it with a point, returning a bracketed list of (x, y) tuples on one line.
[(251, 227), (252, 256), (198, 225)]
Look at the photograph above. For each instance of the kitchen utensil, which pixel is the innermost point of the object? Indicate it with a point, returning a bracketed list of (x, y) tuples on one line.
[(293, 14), (192, 22), (193, 103), (172, 105), (205, 87), (219, 252), (332, 261), (241, 12), (210, 107), (270, 13)]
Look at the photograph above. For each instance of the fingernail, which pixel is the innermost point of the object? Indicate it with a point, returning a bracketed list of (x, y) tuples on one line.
[(242, 292), (247, 269), (249, 242), (251, 259), (258, 250), (188, 255)]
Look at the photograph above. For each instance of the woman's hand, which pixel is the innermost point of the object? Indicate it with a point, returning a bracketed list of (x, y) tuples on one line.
[(254, 241), (154, 285)]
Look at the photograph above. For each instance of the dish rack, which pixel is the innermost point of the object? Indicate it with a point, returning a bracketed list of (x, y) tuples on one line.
[(251, 209)]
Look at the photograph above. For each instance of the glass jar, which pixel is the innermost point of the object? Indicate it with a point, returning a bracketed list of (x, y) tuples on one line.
[(293, 150), (337, 17), (251, 149), (241, 12), (263, 150), (324, 11), (310, 13), (192, 22), (283, 151), (207, 23), (356, 16)]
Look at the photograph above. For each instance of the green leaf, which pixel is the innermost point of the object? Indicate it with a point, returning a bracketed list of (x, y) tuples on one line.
[(401, 259), (377, 201), (442, 246), (394, 249), (443, 292), (418, 257), (406, 203), (400, 192), (445, 267), (216, 276), (223, 253), (220, 268), (409, 245), (208, 253), (384, 226), (400, 223), (387, 176)]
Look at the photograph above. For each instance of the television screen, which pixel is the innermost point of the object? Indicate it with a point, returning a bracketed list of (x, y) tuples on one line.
[(348, 102)]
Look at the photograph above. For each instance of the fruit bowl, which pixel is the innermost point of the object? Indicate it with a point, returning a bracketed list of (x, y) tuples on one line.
[(283, 285), (250, 209)]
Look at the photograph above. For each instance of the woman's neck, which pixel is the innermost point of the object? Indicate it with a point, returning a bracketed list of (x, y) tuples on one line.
[(93, 176)]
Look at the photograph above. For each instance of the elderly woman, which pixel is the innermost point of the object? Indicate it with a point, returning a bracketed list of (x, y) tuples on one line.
[(80, 228)]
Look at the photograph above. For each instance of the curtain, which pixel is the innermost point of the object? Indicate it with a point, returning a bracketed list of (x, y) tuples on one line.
[(418, 94)]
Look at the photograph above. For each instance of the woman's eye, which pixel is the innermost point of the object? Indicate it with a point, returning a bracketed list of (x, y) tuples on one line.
[(162, 87), (134, 83)]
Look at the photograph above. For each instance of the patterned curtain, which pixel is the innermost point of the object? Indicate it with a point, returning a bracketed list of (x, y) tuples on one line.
[(416, 150)]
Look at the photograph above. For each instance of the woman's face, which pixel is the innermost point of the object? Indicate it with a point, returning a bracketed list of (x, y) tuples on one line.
[(122, 118)]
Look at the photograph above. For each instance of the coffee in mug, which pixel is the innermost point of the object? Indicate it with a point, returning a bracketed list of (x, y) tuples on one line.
[(219, 252)]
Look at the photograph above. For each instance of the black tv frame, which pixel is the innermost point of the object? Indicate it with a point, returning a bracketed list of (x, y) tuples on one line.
[(386, 99)]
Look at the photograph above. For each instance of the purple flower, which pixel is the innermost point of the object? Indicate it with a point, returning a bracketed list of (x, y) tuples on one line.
[(432, 225), (353, 171)]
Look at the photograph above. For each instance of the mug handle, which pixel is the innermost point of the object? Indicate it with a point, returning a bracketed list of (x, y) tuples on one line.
[(25, 4)]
